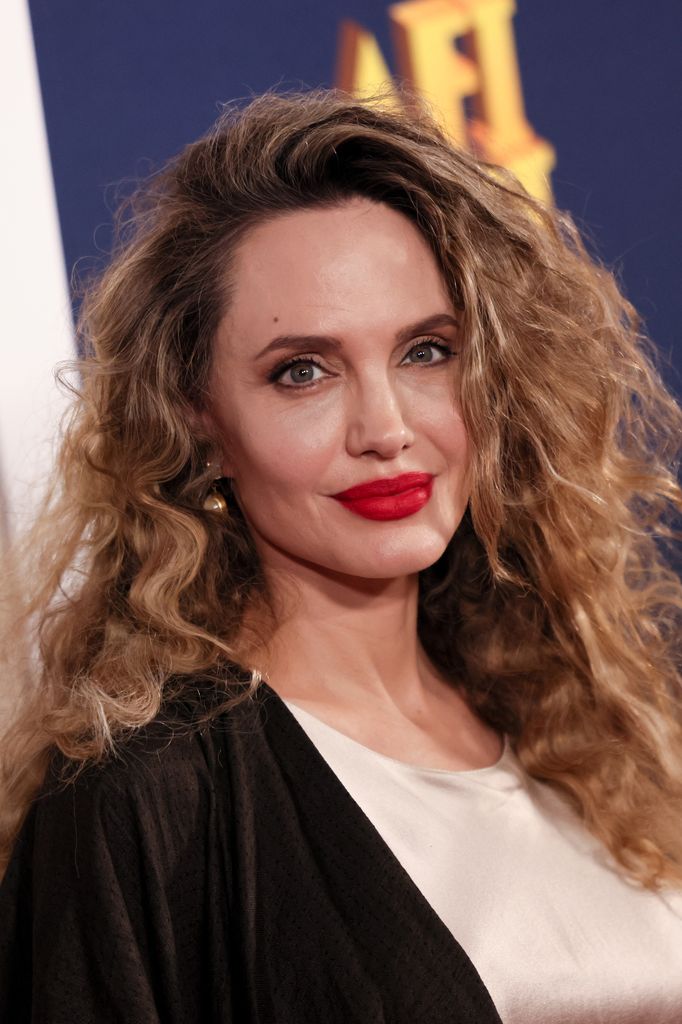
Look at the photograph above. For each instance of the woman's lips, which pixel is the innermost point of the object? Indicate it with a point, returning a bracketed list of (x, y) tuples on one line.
[(386, 499), (386, 485)]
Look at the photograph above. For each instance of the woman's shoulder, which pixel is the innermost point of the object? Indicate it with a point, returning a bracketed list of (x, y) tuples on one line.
[(171, 757), (162, 783), (122, 860)]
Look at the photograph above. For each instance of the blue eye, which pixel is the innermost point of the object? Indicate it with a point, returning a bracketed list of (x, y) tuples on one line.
[(307, 365), (296, 365), (424, 346)]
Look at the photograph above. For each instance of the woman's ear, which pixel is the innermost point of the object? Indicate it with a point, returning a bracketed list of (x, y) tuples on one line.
[(205, 422)]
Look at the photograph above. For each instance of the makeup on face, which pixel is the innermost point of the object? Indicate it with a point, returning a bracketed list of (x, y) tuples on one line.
[(335, 393), (278, 374), (388, 497)]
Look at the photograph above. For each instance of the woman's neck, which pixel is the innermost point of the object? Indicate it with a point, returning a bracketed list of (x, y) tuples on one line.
[(351, 642)]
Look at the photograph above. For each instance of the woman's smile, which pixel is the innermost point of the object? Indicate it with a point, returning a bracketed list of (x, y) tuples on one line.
[(360, 384), (388, 497)]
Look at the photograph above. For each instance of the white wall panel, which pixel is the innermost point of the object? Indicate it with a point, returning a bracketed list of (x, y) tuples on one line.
[(36, 328)]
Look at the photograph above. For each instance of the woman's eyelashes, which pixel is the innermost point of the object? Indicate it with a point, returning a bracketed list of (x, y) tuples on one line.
[(307, 364)]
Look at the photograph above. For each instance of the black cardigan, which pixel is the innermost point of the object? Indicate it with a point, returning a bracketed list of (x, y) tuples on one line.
[(221, 875)]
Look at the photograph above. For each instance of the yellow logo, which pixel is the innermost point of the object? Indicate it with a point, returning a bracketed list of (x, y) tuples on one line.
[(461, 55)]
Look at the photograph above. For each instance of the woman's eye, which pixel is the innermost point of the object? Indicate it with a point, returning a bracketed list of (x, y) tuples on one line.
[(300, 373), (424, 353)]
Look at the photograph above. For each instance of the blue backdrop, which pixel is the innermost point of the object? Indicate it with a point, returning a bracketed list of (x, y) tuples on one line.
[(125, 85)]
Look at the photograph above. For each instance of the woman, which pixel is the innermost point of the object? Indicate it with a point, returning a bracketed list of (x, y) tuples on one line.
[(358, 695)]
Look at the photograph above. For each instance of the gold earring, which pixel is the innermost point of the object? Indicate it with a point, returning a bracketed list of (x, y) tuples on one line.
[(215, 501)]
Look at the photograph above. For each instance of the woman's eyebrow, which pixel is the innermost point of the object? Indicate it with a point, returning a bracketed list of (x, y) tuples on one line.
[(328, 343)]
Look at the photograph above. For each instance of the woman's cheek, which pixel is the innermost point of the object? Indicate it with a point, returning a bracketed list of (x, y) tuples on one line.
[(290, 463), (313, 429)]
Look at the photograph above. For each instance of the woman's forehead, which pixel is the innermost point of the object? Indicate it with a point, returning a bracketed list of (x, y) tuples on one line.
[(331, 269)]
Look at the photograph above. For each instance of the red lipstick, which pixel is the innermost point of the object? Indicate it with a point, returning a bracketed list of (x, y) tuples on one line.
[(388, 498)]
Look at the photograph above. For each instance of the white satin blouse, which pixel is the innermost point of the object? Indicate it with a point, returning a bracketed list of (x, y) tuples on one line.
[(556, 934)]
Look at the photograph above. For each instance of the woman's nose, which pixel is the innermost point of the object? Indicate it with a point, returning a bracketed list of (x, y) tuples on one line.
[(377, 420)]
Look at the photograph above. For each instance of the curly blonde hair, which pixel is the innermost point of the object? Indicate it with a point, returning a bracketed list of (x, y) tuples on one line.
[(554, 601)]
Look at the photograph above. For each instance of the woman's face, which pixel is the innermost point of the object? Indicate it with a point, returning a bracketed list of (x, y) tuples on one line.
[(372, 392)]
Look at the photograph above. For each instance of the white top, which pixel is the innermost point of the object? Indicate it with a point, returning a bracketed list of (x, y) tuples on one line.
[(556, 934)]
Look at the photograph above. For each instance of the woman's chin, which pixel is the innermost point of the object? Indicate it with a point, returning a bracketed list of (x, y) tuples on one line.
[(390, 559)]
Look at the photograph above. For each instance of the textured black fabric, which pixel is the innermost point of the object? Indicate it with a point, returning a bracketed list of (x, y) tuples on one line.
[(224, 875)]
